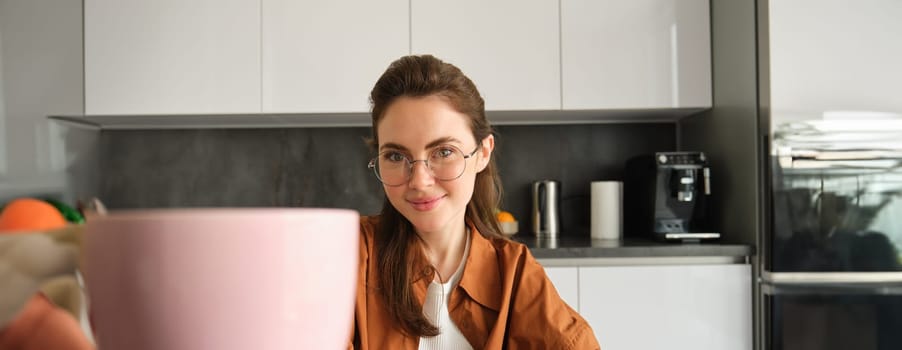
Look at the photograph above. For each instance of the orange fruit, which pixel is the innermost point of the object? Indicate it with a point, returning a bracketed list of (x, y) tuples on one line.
[(504, 216), (29, 214)]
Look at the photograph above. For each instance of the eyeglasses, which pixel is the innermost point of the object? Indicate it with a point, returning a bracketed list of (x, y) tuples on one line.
[(446, 163)]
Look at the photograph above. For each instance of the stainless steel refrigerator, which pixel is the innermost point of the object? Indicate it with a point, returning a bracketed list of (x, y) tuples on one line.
[(832, 274), (831, 269)]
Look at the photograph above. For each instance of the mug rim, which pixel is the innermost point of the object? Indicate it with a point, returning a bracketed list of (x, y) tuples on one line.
[(217, 213)]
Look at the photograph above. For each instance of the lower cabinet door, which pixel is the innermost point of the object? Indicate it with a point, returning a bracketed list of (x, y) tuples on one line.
[(566, 281), (668, 306)]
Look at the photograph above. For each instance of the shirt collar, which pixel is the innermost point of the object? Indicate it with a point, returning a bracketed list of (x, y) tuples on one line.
[(482, 274)]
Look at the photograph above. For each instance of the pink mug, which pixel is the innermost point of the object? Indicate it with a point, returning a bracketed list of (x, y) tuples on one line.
[(183, 279)]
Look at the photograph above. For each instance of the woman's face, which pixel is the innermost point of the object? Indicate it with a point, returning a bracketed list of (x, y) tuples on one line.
[(417, 128)]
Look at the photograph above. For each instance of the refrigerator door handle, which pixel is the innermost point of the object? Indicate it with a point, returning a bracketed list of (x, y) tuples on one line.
[(812, 278)]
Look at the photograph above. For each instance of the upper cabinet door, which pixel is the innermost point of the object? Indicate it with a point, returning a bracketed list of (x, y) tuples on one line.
[(325, 56), (172, 56), (635, 54), (509, 48)]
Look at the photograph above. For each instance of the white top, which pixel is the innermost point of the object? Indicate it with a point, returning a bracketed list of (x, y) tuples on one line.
[(436, 310)]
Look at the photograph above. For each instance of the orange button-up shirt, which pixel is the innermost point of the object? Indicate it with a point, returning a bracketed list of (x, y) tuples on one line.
[(504, 300)]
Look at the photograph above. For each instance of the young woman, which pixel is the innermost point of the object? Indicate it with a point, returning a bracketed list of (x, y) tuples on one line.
[(434, 271)]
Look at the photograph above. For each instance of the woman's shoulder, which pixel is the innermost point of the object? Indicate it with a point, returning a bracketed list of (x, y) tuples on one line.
[(368, 223), (508, 246), (510, 251), (368, 229)]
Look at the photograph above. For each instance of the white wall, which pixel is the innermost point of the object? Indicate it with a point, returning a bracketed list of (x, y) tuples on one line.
[(834, 55), (3, 146), (40, 74)]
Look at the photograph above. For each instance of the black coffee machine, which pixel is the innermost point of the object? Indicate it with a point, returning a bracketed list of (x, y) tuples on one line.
[(665, 197)]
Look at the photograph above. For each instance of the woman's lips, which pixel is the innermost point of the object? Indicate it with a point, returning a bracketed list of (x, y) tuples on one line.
[(425, 204)]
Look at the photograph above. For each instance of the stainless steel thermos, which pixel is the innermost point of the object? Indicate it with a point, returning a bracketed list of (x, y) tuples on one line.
[(545, 206)]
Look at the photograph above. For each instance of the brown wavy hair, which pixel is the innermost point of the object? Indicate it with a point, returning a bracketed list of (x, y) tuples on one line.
[(395, 238)]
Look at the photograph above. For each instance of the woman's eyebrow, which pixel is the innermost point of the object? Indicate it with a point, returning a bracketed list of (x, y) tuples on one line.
[(391, 145), (442, 140), (436, 142)]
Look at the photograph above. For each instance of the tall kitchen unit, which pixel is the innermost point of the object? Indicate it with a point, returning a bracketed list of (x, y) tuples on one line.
[(830, 269)]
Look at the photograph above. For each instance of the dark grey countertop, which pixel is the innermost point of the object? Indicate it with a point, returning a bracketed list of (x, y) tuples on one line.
[(578, 247)]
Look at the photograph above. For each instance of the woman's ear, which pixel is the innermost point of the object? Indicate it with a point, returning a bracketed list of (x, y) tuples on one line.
[(488, 145)]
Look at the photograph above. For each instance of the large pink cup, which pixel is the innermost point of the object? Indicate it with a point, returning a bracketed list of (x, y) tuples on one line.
[(222, 278)]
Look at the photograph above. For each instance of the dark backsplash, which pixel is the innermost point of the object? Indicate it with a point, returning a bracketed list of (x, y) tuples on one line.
[(326, 167), (575, 155)]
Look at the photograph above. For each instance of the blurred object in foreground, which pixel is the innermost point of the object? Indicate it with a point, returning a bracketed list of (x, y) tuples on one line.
[(29, 214)]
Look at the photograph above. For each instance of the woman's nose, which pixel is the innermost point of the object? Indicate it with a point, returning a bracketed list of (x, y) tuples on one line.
[(420, 175)]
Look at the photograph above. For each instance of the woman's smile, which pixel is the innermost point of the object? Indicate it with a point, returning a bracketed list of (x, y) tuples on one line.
[(425, 203)]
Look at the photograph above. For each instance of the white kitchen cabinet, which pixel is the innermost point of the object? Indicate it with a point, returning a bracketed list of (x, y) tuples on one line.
[(325, 56), (637, 54), (566, 281), (41, 75), (172, 56), (668, 307), (835, 59), (509, 48), (245, 57)]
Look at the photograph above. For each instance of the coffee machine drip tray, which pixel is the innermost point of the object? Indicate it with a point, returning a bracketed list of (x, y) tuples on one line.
[(691, 236)]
